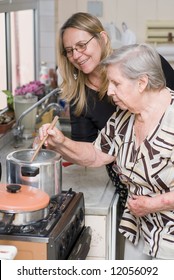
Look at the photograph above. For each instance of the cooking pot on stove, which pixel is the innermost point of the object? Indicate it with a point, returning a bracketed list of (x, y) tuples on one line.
[(22, 205), (44, 172)]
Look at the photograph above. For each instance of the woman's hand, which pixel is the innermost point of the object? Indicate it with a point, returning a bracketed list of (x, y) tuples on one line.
[(82, 153), (55, 137), (140, 205), (143, 205)]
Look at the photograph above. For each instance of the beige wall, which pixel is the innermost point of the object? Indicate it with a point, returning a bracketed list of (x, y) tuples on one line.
[(134, 12)]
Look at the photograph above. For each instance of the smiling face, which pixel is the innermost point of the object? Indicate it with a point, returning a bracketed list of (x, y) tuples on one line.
[(124, 92), (87, 60)]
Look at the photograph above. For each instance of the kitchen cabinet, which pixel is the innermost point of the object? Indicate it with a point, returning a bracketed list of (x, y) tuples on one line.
[(101, 204), (98, 225)]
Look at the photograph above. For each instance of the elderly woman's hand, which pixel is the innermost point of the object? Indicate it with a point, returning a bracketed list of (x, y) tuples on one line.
[(55, 137), (143, 205), (140, 205)]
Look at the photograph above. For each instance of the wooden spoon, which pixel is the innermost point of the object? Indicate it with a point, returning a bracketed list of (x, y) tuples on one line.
[(43, 140)]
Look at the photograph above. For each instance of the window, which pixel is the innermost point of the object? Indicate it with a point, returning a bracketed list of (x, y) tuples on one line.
[(3, 68), (18, 45)]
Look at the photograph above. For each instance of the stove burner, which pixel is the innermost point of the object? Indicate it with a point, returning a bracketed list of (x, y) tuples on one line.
[(27, 229), (53, 237), (58, 205)]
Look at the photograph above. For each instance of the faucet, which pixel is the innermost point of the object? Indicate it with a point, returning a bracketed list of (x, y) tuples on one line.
[(58, 108), (18, 127)]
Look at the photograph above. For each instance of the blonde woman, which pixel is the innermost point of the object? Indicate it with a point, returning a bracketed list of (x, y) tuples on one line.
[(82, 44)]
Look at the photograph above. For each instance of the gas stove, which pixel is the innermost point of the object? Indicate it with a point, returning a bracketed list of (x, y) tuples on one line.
[(53, 237)]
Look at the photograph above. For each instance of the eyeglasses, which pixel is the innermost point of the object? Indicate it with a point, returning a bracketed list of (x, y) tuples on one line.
[(79, 47)]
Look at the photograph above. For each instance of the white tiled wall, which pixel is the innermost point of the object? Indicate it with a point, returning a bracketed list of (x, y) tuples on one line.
[(135, 13), (47, 32)]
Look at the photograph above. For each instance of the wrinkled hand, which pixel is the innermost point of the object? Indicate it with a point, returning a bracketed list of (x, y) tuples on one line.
[(55, 137), (139, 205)]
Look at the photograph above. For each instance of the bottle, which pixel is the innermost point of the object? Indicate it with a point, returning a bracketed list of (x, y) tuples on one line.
[(53, 78), (44, 75)]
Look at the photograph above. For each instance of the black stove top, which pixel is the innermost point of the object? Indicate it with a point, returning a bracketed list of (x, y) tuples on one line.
[(57, 233)]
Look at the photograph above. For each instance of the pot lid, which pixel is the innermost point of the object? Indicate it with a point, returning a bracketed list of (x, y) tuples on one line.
[(20, 198)]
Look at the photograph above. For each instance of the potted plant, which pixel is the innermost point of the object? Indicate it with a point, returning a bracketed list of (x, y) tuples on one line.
[(7, 119), (34, 88), (10, 99), (25, 97)]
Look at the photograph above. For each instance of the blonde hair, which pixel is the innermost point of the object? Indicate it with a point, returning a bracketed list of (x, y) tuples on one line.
[(73, 84)]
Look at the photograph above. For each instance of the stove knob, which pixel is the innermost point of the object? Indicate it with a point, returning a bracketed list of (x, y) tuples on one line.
[(69, 238), (72, 229), (62, 248), (77, 222), (61, 251), (81, 214)]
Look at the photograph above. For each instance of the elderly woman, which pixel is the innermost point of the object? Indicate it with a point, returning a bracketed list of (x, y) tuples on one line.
[(139, 137), (82, 44)]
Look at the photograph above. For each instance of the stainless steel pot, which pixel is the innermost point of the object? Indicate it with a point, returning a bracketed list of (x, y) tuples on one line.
[(22, 205), (44, 173)]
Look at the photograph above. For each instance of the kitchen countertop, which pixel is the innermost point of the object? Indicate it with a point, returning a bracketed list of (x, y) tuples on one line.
[(93, 182)]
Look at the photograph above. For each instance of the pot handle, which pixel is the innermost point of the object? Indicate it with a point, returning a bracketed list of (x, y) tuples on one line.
[(29, 171)]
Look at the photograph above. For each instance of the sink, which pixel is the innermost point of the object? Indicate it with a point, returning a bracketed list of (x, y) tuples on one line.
[(6, 138)]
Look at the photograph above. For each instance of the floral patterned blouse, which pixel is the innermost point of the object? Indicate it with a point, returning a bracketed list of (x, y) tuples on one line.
[(148, 170)]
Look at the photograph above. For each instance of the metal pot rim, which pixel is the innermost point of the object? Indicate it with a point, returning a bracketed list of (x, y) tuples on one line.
[(23, 218), (25, 155)]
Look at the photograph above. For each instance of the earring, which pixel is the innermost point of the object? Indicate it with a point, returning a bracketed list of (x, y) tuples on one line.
[(75, 73), (75, 76)]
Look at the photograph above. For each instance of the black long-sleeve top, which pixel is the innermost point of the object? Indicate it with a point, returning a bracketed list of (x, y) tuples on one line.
[(93, 118)]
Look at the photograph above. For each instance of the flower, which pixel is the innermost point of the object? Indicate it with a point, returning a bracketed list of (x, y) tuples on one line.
[(32, 88)]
